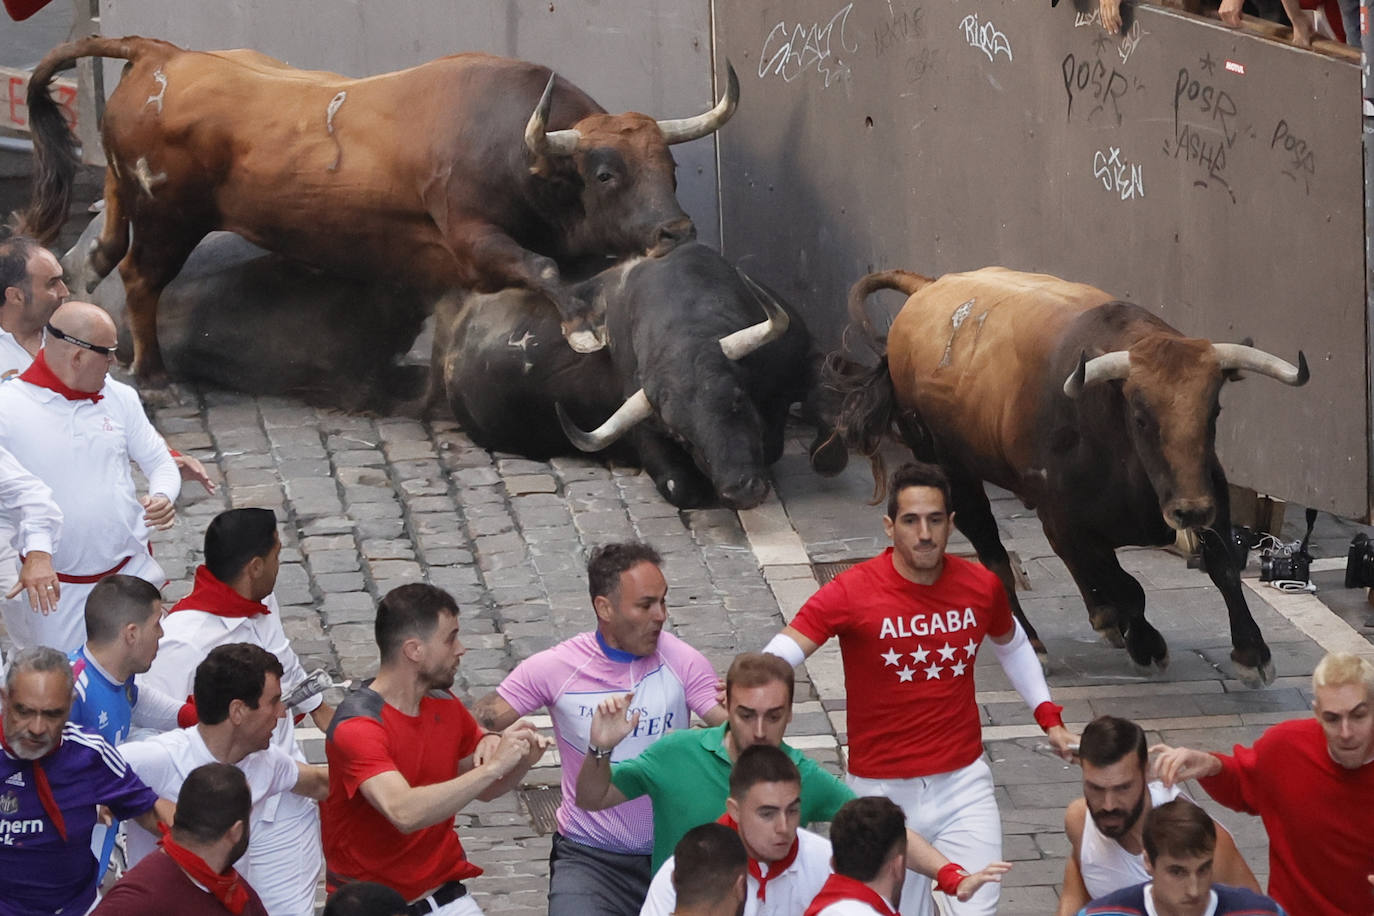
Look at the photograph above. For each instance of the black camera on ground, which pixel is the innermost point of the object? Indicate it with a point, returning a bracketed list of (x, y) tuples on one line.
[(1359, 563), (1285, 562)]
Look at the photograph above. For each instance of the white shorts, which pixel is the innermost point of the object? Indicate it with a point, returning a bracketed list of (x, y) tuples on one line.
[(957, 813), (285, 859)]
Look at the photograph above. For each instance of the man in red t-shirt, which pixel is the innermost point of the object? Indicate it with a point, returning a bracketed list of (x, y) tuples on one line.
[(1312, 783), (910, 623), (405, 757)]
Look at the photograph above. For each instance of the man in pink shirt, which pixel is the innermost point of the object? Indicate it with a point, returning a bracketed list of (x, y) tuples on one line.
[(601, 860)]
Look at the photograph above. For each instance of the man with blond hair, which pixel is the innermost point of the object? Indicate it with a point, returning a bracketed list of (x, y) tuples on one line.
[(1312, 783)]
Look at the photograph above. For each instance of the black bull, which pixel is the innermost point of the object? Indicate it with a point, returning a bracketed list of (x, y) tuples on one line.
[(666, 395), (1093, 411)]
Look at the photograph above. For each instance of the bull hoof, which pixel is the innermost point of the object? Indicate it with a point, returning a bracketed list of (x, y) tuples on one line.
[(584, 336), (1112, 637), (1254, 677), (1146, 646)]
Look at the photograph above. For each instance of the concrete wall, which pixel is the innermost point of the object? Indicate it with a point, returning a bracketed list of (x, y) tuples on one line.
[(1212, 176), (630, 56)]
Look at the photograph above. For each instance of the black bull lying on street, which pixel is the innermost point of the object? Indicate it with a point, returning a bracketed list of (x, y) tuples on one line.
[(701, 368)]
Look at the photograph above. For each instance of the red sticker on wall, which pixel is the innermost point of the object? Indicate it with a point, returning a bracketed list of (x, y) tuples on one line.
[(1235, 67)]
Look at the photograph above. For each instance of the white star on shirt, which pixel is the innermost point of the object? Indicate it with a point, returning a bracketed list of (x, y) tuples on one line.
[(919, 655), (947, 652), (933, 672), (905, 674), (892, 657), (957, 669), (971, 648)]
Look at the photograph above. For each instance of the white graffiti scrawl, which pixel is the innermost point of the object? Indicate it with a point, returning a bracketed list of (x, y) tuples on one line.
[(1116, 175), (789, 53), (985, 37)]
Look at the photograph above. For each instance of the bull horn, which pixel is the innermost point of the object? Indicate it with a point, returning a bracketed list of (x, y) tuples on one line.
[(680, 130), (635, 409), (1116, 364), (1239, 356), (544, 142), (741, 343)]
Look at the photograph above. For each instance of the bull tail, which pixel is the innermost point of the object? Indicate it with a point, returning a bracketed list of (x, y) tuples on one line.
[(867, 412), (54, 147), (903, 280)]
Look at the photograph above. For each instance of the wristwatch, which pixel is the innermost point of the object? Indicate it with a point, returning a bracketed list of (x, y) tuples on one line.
[(599, 753)]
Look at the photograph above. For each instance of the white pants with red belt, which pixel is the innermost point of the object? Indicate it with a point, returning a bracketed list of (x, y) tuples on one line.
[(957, 813), (65, 628)]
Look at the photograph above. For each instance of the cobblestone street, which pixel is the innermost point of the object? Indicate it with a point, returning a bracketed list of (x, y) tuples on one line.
[(369, 503)]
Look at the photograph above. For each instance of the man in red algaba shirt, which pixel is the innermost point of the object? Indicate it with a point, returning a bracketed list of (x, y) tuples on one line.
[(1312, 783), (401, 752), (910, 623)]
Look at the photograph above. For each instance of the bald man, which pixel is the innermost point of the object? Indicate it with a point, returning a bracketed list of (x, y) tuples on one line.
[(77, 430)]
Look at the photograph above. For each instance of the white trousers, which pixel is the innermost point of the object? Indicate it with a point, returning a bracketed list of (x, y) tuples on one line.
[(284, 861), (957, 813), (65, 628)]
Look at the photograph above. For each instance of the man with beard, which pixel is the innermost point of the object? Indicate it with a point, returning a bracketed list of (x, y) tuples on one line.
[(53, 774), (869, 838), (193, 872), (1106, 826), (405, 756), (1180, 843), (1312, 783)]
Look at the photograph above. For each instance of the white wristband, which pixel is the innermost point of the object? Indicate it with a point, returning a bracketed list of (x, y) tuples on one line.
[(785, 648)]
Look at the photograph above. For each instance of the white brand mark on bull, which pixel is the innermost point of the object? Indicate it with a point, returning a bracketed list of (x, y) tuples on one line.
[(157, 96), (789, 53), (985, 37), (145, 176)]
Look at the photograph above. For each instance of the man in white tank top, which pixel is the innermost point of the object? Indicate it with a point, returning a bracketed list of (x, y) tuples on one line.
[(1106, 826)]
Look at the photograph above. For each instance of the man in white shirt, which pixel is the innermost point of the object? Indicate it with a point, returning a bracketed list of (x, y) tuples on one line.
[(77, 429), (232, 601), (31, 289), (28, 510), (1106, 827), (869, 839), (239, 699), (787, 865)]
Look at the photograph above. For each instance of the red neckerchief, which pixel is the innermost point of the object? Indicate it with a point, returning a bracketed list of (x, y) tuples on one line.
[(774, 868), (213, 596), (228, 888), (41, 375), (839, 887), (40, 784)]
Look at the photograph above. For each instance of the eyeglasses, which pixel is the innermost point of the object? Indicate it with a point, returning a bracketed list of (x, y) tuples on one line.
[(77, 341)]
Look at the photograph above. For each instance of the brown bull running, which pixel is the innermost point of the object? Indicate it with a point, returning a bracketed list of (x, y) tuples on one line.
[(1093, 411), (468, 171)]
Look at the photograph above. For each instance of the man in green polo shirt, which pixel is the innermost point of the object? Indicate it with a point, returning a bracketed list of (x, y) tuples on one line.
[(687, 771)]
